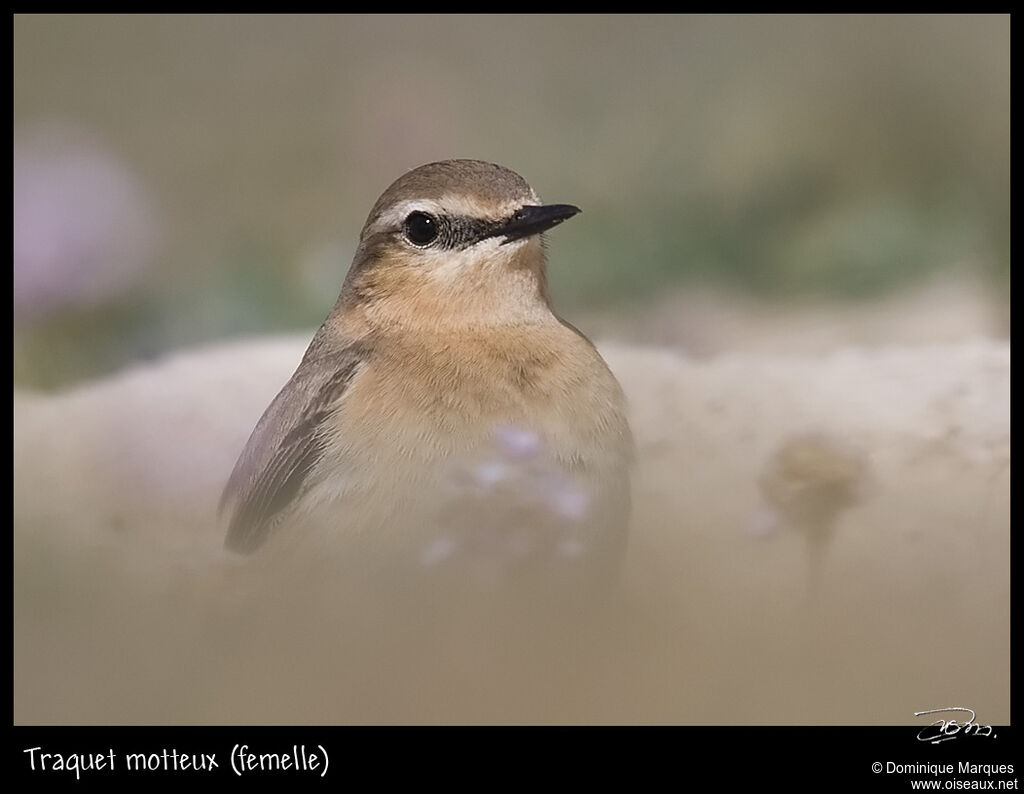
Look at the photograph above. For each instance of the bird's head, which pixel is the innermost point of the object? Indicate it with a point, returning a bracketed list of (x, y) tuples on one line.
[(456, 241)]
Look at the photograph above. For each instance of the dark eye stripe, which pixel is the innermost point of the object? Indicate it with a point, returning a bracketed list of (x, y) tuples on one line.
[(461, 232), (454, 232), (428, 230)]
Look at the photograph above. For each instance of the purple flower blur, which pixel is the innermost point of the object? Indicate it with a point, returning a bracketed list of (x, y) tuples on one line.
[(510, 508), (85, 228)]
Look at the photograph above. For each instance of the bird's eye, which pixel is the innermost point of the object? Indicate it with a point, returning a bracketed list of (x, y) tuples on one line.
[(421, 229)]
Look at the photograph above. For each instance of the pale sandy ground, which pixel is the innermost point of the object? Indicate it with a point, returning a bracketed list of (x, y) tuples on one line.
[(127, 610)]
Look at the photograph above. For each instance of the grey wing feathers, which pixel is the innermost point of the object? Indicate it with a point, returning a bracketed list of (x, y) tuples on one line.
[(285, 446)]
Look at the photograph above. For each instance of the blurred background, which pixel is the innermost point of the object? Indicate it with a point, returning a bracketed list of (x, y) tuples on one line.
[(757, 183)]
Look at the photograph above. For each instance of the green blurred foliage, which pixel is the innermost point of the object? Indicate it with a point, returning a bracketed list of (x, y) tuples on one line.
[(787, 156)]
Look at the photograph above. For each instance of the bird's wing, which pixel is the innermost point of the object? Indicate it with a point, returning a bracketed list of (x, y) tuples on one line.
[(286, 444)]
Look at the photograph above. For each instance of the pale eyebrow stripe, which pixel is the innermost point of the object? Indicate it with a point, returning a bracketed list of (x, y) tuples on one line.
[(401, 210)]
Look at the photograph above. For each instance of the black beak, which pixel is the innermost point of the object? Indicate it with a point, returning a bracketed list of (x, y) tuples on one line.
[(531, 220)]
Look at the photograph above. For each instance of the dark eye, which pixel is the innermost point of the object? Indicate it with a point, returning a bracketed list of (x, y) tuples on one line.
[(421, 229)]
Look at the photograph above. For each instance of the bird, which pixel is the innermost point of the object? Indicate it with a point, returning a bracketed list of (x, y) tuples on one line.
[(443, 415)]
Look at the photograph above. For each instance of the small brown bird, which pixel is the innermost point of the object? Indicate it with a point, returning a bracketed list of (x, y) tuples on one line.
[(443, 411)]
